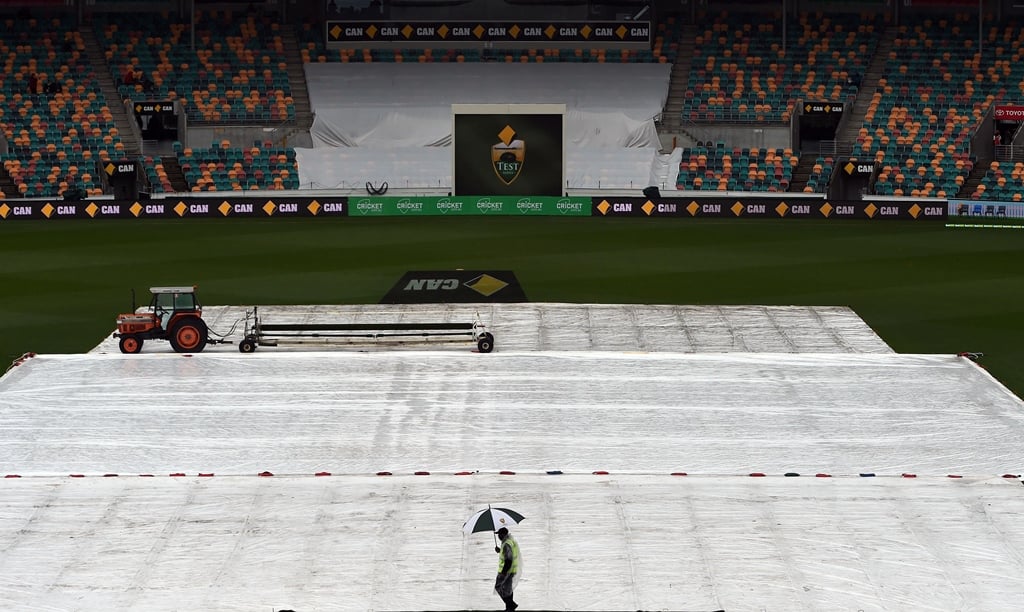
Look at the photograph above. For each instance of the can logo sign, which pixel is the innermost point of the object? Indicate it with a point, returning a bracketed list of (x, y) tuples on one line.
[(455, 286), (486, 285)]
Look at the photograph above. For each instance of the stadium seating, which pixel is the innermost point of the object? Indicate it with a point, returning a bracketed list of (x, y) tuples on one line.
[(935, 91), (933, 96), (720, 169), (57, 123), (1002, 181), (744, 71), (313, 52), (235, 73), (222, 167), (156, 173), (821, 174)]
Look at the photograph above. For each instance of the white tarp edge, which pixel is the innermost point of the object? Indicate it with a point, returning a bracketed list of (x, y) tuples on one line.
[(398, 105), (431, 167)]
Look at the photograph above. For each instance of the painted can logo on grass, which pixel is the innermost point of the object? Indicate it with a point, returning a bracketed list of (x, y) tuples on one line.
[(455, 286)]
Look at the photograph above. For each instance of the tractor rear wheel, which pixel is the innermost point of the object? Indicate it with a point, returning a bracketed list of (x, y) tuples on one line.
[(130, 344), (189, 335)]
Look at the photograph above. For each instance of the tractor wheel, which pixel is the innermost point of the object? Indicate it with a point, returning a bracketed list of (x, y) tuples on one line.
[(247, 346), (130, 344), (485, 344), (189, 336)]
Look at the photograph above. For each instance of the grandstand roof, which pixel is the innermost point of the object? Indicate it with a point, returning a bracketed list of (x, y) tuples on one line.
[(598, 411)]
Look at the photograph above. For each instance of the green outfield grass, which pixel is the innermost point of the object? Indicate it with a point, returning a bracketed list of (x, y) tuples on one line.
[(922, 287)]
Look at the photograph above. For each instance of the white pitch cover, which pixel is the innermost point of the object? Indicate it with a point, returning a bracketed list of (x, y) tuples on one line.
[(664, 458)]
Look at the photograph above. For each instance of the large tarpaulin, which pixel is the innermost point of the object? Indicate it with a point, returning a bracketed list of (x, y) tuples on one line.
[(680, 457), (381, 104)]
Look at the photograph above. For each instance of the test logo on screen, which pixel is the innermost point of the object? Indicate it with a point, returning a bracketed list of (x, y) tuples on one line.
[(508, 156)]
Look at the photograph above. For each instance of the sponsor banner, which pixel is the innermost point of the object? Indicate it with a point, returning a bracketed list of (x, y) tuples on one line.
[(859, 169), (823, 108), (458, 286), (154, 108), (1009, 112), (175, 208), (121, 170), (767, 208), (389, 206), (498, 32)]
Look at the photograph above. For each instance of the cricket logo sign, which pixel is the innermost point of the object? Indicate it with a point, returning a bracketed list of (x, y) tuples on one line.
[(508, 156)]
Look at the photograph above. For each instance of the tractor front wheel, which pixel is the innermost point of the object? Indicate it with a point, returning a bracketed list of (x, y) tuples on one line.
[(130, 344), (189, 336)]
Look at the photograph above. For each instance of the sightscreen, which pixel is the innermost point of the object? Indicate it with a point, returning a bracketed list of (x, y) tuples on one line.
[(508, 149)]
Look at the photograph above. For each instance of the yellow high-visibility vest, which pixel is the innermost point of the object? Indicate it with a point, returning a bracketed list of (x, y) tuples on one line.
[(509, 541)]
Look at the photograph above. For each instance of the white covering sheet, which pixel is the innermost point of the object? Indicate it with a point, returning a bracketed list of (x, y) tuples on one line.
[(396, 105), (640, 391), (588, 543), (356, 413), (532, 326), (431, 168)]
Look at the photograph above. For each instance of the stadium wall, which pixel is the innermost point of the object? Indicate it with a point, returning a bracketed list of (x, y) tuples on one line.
[(292, 204)]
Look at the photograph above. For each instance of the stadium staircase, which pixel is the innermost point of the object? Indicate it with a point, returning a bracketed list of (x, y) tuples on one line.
[(174, 173), (846, 138), (129, 136), (802, 172), (672, 115), (297, 81), (974, 179), (7, 185)]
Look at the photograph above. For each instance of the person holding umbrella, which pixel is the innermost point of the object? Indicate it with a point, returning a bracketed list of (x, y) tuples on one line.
[(508, 568), (495, 521)]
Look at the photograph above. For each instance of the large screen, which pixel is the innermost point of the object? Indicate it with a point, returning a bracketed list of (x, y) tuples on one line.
[(508, 149)]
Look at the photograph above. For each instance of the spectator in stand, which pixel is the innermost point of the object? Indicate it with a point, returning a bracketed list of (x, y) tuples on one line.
[(33, 83)]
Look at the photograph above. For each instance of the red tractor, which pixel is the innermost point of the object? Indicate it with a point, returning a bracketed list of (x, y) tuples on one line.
[(174, 314)]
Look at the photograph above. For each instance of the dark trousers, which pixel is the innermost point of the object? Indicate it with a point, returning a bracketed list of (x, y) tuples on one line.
[(503, 587)]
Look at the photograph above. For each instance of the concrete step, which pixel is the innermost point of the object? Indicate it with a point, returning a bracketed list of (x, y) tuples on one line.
[(131, 142), (174, 173), (297, 80), (7, 184)]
